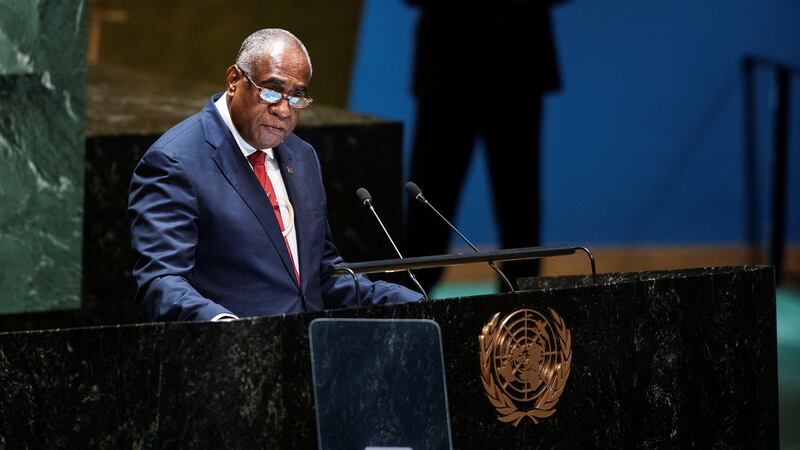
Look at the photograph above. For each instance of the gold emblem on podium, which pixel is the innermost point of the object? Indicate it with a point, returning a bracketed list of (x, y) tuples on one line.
[(525, 363)]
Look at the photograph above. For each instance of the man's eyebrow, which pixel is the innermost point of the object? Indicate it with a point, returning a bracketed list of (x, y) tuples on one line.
[(272, 81), (278, 83)]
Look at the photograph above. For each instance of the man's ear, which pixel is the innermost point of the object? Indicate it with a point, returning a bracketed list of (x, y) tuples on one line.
[(232, 78)]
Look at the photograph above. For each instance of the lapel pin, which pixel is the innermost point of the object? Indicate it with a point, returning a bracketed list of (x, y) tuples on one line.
[(290, 169)]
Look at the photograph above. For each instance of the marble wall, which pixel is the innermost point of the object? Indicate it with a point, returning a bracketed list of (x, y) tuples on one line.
[(42, 103)]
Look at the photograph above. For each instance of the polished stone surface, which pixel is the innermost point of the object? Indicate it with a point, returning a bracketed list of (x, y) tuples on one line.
[(128, 102), (682, 359), (42, 98)]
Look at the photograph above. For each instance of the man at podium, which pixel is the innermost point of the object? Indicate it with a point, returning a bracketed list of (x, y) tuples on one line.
[(228, 210)]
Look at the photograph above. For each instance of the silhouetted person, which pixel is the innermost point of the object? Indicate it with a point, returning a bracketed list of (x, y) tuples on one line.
[(483, 74)]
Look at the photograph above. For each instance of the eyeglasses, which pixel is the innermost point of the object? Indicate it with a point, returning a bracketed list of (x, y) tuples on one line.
[(272, 97)]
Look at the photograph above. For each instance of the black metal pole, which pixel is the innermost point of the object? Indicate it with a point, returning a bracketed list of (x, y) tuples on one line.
[(422, 262), (781, 141)]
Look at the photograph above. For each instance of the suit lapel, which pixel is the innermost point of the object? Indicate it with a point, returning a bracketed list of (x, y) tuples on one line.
[(297, 195), (237, 171)]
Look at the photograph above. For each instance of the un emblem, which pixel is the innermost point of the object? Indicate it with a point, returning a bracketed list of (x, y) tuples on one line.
[(525, 362)]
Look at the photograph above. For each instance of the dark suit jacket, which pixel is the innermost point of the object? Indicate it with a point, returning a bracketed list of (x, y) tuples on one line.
[(208, 241), (503, 46)]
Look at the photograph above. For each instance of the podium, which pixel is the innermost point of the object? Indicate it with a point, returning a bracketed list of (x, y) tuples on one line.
[(670, 359)]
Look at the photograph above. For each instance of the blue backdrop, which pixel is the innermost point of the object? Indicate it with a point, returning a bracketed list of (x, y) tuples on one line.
[(644, 145)]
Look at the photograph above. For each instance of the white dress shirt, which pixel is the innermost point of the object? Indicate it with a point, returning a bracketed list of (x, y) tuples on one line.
[(274, 174)]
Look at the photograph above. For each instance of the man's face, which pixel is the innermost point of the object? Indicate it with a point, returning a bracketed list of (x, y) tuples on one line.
[(282, 68)]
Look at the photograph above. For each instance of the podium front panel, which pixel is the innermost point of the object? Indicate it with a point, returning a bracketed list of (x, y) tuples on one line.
[(379, 384)]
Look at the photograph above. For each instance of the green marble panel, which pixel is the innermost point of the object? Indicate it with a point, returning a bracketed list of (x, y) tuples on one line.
[(42, 104)]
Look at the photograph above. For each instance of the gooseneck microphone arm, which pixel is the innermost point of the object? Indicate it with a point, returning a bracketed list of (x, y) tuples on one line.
[(366, 200), (416, 193)]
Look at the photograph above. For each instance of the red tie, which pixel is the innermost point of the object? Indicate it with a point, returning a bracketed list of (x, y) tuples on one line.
[(257, 160)]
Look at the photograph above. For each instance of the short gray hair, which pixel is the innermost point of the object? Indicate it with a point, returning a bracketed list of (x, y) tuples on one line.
[(255, 45)]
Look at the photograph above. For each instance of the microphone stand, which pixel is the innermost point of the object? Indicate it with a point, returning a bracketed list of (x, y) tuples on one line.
[(366, 200), (416, 192)]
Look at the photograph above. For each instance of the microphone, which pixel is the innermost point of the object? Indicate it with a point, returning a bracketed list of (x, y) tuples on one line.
[(416, 194), (366, 199)]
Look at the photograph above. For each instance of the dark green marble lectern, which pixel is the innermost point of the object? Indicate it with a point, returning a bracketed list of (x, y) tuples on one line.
[(679, 359)]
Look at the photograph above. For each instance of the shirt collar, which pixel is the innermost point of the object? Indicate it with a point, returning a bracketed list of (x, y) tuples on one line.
[(247, 149)]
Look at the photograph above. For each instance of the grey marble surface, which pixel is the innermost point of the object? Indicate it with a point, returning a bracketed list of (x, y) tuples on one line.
[(42, 97), (123, 101), (682, 359)]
